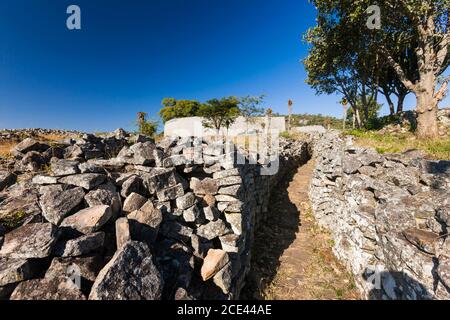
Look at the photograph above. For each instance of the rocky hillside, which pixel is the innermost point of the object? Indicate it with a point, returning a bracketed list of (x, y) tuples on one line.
[(123, 217)]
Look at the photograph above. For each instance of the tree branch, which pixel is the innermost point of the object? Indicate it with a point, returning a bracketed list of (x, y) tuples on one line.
[(398, 69), (442, 92)]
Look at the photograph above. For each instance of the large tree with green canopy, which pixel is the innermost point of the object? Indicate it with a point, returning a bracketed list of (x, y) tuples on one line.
[(409, 53)]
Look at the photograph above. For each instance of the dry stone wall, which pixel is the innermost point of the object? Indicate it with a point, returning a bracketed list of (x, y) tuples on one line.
[(123, 217), (389, 216)]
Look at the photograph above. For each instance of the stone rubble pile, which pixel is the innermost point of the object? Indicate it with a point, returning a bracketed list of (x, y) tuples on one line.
[(389, 216), (20, 134), (123, 217)]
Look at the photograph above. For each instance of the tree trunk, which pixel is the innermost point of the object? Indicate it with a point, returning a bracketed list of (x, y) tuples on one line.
[(401, 100), (427, 127), (389, 101)]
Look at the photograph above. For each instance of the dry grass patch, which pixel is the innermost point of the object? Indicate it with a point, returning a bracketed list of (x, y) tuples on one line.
[(438, 149), (5, 148)]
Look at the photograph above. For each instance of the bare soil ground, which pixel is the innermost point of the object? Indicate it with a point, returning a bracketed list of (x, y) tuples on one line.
[(292, 257)]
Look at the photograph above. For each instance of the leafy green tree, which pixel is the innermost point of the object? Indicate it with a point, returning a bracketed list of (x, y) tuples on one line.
[(219, 113), (173, 108), (412, 44), (249, 108)]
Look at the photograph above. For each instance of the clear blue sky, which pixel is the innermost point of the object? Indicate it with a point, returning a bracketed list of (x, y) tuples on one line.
[(132, 53)]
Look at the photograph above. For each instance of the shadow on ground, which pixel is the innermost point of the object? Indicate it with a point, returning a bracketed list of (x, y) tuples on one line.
[(272, 238)]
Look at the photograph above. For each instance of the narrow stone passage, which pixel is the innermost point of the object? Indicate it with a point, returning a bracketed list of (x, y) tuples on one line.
[(292, 257)]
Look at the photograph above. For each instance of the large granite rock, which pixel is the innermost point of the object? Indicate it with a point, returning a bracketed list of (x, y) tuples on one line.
[(55, 288), (30, 144), (34, 240), (145, 222), (60, 168), (138, 154), (129, 275), (58, 202)]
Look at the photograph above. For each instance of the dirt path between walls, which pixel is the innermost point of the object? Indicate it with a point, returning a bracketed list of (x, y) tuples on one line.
[(292, 257)]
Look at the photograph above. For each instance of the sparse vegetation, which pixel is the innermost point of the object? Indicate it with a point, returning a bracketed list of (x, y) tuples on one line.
[(14, 220), (401, 142)]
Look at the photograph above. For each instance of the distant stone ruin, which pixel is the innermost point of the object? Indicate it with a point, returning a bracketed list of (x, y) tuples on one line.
[(194, 126)]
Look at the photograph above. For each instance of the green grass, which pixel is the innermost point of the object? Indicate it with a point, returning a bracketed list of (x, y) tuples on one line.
[(398, 143), (14, 220)]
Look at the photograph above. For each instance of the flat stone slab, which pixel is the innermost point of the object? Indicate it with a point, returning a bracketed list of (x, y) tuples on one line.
[(34, 240), (60, 168), (88, 220), (87, 181)]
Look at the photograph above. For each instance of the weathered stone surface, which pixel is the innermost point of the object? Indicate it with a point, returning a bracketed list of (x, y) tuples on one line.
[(88, 220), (159, 178), (384, 210), (232, 207), (87, 167), (43, 180), (205, 186), (30, 144), (232, 243), (192, 214), (80, 246), (423, 240), (87, 181), (129, 275), (139, 154), (88, 268), (228, 181), (34, 240), (73, 152), (236, 222), (7, 179), (57, 288), (133, 202), (61, 168), (20, 204), (214, 261), (227, 173), (145, 222), (211, 213), (32, 162), (212, 230), (15, 270), (170, 193), (104, 196), (123, 234), (443, 270), (186, 201), (57, 202), (133, 184), (223, 278), (235, 190)]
